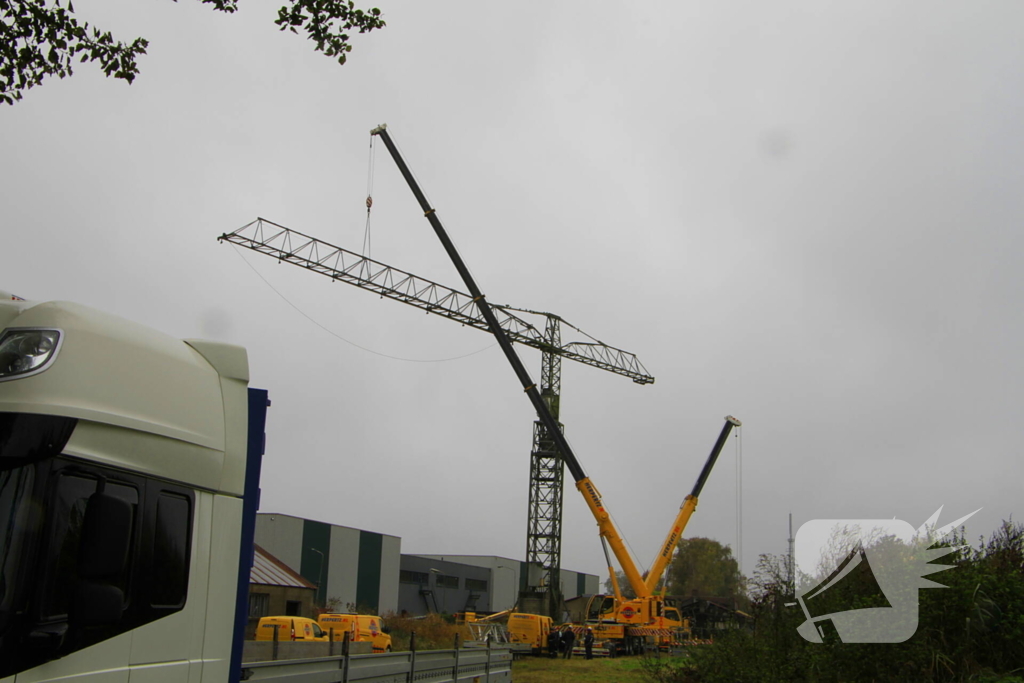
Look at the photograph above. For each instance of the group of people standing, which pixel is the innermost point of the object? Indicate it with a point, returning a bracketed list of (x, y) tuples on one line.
[(563, 640)]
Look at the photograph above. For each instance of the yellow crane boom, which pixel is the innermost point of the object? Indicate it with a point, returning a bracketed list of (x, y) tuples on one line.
[(687, 508)]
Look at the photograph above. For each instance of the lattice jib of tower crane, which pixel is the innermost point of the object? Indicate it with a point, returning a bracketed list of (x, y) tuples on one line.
[(290, 246)]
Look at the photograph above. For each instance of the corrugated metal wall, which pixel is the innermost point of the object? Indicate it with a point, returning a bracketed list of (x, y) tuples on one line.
[(361, 568), (356, 567)]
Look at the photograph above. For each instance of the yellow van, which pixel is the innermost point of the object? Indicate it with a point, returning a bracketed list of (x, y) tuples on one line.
[(531, 629), (290, 628), (364, 628)]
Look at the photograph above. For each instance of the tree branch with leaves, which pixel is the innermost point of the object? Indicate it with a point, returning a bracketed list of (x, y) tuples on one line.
[(43, 38)]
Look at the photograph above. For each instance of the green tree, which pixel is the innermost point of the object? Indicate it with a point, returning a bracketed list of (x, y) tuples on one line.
[(706, 568), (624, 587), (41, 38), (973, 630)]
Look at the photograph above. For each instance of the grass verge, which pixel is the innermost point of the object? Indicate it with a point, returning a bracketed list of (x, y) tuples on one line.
[(576, 670)]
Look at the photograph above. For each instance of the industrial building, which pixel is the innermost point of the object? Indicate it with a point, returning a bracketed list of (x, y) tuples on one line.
[(357, 568), (363, 569), (512, 576), (429, 585), (274, 588)]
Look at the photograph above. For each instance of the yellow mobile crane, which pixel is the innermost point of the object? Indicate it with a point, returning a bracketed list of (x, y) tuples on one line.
[(626, 624), (647, 611)]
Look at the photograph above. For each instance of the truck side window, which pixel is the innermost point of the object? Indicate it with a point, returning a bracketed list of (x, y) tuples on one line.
[(171, 550), (71, 496)]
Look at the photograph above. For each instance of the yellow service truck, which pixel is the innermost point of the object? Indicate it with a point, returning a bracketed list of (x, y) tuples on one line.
[(362, 628), (290, 628), (531, 630)]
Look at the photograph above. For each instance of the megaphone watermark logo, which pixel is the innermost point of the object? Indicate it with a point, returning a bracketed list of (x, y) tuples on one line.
[(857, 580)]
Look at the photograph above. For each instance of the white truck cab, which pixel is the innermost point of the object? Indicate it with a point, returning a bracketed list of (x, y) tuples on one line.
[(129, 470)]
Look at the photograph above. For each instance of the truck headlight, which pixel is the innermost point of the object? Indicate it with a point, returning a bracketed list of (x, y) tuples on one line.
[(27, 351)]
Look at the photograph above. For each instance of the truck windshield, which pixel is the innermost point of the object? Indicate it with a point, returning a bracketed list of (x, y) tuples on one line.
[(25, 441), (15, 492)]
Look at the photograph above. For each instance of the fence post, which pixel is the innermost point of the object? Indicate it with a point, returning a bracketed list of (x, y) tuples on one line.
[(412, 657), (345, 657), (455, 671), (487, 665), (330, 640), (274, 650)]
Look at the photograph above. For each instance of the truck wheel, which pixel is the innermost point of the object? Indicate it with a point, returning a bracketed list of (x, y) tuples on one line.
[(387, 649)]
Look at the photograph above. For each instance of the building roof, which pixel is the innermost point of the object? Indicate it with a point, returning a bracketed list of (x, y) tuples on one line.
[(330, 524), (267, 570)]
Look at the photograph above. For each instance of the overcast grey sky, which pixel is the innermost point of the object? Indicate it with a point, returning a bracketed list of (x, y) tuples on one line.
[(803, 214)]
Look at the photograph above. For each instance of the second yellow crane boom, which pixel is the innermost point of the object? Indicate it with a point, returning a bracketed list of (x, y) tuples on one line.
[(687, 508)]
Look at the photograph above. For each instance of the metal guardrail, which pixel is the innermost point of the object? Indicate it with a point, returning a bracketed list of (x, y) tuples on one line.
[(269, 651), (428, 666)]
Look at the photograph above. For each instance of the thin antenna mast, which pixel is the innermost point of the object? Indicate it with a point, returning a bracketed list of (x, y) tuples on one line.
[(792, 565)]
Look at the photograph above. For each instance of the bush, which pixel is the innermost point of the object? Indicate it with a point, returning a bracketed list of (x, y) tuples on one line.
[(669, 670), (433, 632), (971, 631)]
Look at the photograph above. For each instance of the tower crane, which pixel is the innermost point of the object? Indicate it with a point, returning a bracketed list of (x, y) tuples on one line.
[(544, 525), (648, 609)]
